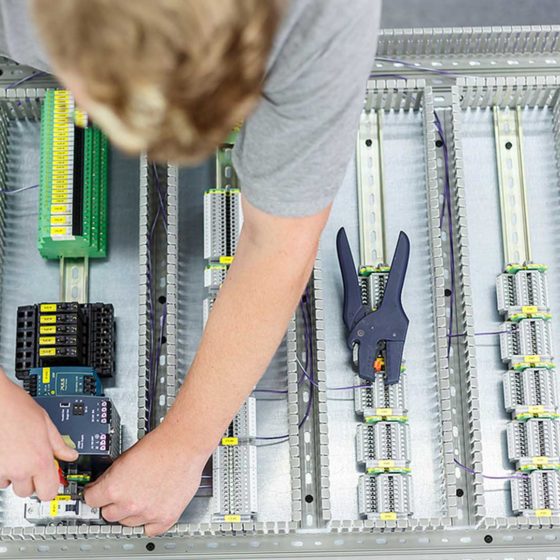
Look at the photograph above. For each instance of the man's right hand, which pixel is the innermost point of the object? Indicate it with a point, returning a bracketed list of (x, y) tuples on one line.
[(29, 444)]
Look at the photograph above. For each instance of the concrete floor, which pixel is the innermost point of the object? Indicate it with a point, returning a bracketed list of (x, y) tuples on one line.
[(444, 13)]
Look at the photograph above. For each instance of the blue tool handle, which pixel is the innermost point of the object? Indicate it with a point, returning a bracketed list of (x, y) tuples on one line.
[(352, 296), (393, 360), (397, 273)]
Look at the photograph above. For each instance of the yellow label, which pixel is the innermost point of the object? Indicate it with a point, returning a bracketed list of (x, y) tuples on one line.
[(536, 409), (59, 208), (47, 351), (386, 463), (60, 220), (230, 441), (49, 329), (47, 307), (47, 319), (47, 340), (60, 231), (543, 513), (54, 508), (540, 460), (46, 375), (529, 309), (226, 260), (384, 411), (232, 518), (533, 359), (63, 497), (388, 516)]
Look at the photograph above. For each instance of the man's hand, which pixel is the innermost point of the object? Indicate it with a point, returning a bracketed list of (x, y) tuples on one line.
[(150, 484), (29, 442)]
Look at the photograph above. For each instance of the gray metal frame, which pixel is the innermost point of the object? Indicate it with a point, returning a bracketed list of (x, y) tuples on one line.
[(519, 63)]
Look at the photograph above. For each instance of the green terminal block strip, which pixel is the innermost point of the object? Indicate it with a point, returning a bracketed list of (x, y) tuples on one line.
[(73, 182)]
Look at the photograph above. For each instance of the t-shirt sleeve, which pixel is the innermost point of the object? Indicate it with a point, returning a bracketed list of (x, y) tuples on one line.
[(293, 150)]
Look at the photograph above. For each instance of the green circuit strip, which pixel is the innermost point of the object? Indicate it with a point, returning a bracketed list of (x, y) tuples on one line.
[(73, 182)]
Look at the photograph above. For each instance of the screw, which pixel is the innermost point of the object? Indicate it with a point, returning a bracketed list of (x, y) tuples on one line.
[(360, 333), (488, 539)]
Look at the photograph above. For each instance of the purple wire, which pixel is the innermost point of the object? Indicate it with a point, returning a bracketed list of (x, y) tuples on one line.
[(36, 74), (275, 391), (491, 477), (420, 68), (488, 333)]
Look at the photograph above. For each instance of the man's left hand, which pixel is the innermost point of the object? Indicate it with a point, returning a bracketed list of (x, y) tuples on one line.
[(150, 484)]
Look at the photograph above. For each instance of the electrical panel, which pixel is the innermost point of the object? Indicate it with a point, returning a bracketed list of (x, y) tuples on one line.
[(73, 181)]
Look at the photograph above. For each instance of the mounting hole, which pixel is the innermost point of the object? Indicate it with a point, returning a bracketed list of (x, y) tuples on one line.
[(439, 143), (509, 145), (309, 498), (459, 492), (162, 299), (150, 546), (368, 143), (447, 292), (488, 539), (163, 339)]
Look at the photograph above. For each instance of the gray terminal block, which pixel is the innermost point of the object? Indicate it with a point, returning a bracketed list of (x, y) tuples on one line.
[(387, 497), (223, 219), (536, 494), (523, 289), (62, 510), (376, 288), (235, 483), (527, 341), (383, 446), (244, 424), (534, 443), (214, 276), (369, 398), (207, 305), (532, 391)]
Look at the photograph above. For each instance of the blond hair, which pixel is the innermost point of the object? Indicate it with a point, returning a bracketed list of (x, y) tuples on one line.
[(169, 77)]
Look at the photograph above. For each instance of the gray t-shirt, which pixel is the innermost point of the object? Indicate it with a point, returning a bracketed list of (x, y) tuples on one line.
[(294, 149)]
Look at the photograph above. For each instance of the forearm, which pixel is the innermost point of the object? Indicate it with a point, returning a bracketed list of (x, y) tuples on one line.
[(247, 323)]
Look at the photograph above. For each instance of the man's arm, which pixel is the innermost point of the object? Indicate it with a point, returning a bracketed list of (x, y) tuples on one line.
[(152, 482)]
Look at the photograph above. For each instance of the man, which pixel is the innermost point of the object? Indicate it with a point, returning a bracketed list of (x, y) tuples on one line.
[(171, 77)]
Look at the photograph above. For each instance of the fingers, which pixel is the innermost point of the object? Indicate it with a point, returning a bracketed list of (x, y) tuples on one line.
[(97, 495), (154, 529), (23, 488), (115, 512), (4, 483), (46, 484), (60, 449), (133, 521)]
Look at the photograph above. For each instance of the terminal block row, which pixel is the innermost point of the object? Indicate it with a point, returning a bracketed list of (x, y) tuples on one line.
[(223, 219), (534, 443), (65, 334), (372, 285), (214, 276), (377, 398), (235, 483), (531, 392), (383, 447), (526, 343), (385, 496), (523, 292), (73, 181), (536, 494), (243, 427)]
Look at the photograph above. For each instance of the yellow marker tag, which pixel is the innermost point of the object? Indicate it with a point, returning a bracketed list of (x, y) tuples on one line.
[(540, 460), (47, 340), (47, 307), (60, 220), (529, 309), (59, 231), (532, 359), (230, 441), (543, 513), (59, 208), (48, 329), (63, 497), (386, 463), (232, 518), (47, 351), (47, 319), (54, 508), (536, 409), (46, 375), (388, 516), (226, 260), (384, 411)]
